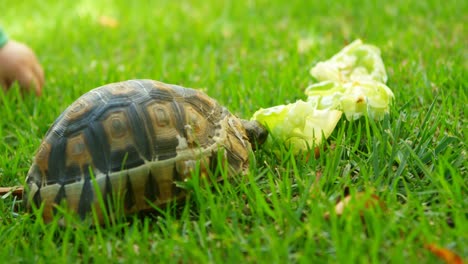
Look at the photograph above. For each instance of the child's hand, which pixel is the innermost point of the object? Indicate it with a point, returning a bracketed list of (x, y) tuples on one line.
[(19, 63)]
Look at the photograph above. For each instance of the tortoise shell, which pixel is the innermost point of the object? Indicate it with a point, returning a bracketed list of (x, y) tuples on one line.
[(133, 140)]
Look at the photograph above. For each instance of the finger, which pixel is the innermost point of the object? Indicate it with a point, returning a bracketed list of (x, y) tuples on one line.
[(37, 86), (27, 80), (41, 76), (39, 79), (39, 73)]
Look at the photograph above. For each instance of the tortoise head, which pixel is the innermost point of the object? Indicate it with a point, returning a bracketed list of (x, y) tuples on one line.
[(256, 132)]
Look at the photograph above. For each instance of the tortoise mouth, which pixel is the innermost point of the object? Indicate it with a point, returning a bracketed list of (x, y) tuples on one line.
[(256, 132)]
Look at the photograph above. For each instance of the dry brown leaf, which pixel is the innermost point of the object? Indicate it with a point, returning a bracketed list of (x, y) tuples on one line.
[(444, 254), (316, 154), (15, 191), (108, 22)]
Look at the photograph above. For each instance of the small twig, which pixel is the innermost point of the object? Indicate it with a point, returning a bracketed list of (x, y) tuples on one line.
[(16, 191)]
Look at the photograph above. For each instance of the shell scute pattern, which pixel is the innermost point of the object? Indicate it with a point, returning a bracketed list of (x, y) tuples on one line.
[(137, 138)]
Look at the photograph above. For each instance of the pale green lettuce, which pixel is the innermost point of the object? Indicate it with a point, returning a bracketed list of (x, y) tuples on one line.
[(355, 98), (351, 82), (355, 62), (299, 125)]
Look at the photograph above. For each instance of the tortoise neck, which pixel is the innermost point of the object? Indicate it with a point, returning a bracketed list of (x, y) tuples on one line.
[(256, 132)]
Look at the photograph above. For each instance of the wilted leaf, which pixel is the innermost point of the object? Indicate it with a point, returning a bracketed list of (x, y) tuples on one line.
[(109, 22), (445, 254)]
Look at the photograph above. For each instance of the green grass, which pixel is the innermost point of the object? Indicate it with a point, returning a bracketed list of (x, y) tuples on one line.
[(245, 54)]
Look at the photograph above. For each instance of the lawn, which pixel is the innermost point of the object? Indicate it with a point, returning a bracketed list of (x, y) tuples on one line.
[(249, 55)]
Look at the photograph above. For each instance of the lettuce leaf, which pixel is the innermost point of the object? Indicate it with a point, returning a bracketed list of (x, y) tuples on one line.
[(355, 99), (351, 82), (299, 125), (355, 62)]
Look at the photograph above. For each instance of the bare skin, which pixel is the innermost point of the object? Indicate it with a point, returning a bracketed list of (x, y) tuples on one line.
[(18, 63)]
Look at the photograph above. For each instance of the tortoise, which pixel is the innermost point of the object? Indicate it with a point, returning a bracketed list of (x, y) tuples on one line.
[(135, 140)]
